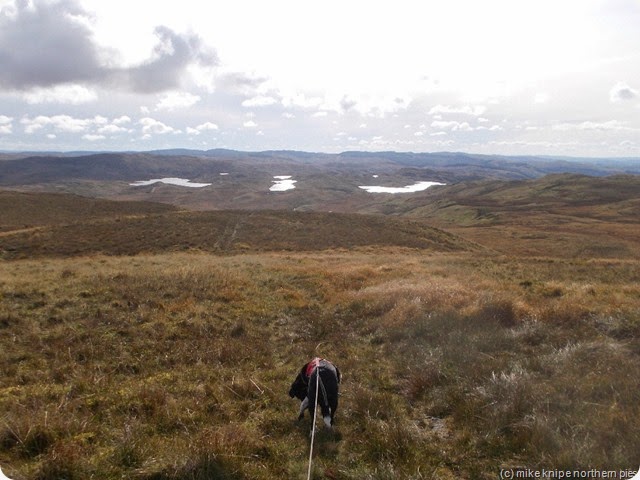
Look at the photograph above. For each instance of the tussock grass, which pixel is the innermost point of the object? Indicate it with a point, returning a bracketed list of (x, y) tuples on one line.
[(176, 366)]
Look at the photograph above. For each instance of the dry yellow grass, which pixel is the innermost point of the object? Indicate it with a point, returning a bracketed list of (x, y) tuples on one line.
[(176, 366)]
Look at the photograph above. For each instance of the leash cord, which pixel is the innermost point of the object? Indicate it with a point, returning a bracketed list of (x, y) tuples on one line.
[(313, 428)]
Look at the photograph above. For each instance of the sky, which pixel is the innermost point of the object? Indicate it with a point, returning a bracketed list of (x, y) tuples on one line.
[(510, 77)]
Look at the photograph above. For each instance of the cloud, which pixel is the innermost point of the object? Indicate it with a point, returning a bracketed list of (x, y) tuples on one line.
[(240, 83), (259, 101), (172, 55), (70, 94), (604, 126), (444, 124), (302, 101), (48, 44), (174, 100), (93, 137), (475, 111), (152, 126), (250, 124), (622, 92), (112, 129), (347, 103), (43, 44), (122, 120), (62, 123), (207, 126)]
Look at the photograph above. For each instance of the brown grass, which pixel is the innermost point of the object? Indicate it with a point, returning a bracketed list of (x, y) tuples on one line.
[(176, 366)]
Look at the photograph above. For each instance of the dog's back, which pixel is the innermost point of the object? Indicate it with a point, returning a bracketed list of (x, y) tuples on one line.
[(304, 388)]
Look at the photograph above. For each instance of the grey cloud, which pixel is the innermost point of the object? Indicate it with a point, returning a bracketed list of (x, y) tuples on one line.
[(621, 92), (347, 103), (173, 55), (43, 45), (240, 83)]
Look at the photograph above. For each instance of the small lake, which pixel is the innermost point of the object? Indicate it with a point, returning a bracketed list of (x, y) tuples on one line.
[(416, 187), (282, 183), (180, 182)]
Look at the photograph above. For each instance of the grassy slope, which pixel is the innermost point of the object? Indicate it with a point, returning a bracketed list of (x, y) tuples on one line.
[(175, 365), (30, 210), (562, 215), (223, 232)]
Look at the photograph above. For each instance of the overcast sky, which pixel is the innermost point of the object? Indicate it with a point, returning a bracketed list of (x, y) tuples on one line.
[(493, 76)]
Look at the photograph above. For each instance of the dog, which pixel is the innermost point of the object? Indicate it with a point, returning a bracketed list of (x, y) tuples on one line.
[(304, 389)]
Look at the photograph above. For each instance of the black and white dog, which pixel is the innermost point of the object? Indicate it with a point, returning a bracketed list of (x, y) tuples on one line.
[(304, 388)]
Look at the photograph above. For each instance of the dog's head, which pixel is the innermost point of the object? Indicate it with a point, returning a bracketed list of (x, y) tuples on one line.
[(298, 388)]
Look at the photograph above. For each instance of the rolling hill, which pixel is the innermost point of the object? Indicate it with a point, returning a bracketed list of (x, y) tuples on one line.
[(64, 225), (480, 326)]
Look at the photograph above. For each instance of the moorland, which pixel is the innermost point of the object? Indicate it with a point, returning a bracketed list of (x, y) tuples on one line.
[(490, 323)]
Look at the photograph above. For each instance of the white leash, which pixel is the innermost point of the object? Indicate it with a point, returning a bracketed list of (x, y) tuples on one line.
[(313, 428)]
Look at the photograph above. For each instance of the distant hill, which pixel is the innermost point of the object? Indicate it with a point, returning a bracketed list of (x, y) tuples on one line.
[(616, 197), (19, 210), (65, 225), (325, 182)]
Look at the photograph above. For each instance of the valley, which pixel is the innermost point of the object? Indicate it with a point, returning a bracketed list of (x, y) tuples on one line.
[(152, 331)]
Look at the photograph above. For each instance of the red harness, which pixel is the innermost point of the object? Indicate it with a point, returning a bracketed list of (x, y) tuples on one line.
[(312, 365)]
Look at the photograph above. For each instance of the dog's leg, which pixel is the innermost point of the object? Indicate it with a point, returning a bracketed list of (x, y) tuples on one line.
[(303, 406), (327, 421)]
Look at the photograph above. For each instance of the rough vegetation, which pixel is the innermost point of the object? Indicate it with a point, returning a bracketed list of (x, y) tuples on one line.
[(175, 364)]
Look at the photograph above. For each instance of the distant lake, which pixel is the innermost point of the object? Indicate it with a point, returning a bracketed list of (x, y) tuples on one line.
[(282, 183), (181, 182), (416, 187)]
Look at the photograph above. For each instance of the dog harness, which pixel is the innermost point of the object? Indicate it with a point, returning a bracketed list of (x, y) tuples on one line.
[(312, 365)]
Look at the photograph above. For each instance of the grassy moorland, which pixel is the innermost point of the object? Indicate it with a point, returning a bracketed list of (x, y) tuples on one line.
[(171, 365)]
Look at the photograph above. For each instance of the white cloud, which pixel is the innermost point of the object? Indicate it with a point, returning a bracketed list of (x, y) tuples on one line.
[(259, 101), (207, 126), (122, 120), (622, 92), (609, 125), (63, 123), (4, 119), (66, 123), (319, 114), (93, 138), (65, 94), (152, 126), (541, 98), (301, 100), (250, 124), (475, 111), (112, 129), (175, 100), (444, 124), (6, 130)]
